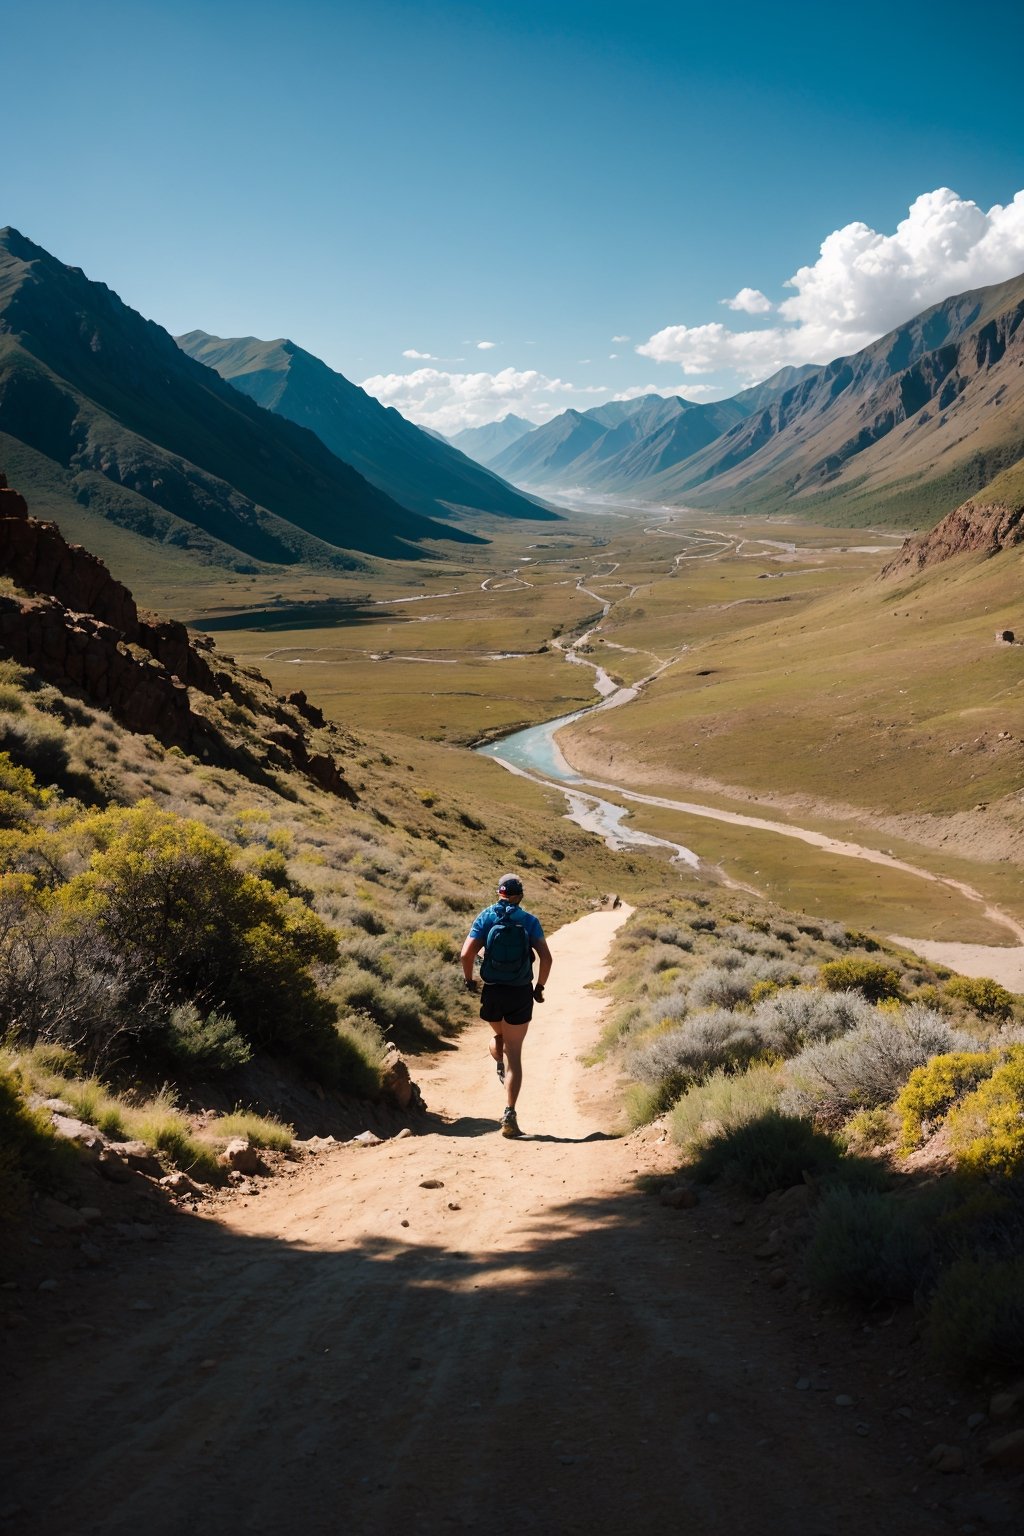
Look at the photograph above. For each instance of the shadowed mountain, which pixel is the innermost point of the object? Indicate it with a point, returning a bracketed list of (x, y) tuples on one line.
[(901, 432), (102, 416), (419, 470), (485, 443), (613, 446)]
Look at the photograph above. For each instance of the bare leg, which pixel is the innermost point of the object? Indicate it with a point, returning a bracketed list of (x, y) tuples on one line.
[(513, 1036), (496, 1046)]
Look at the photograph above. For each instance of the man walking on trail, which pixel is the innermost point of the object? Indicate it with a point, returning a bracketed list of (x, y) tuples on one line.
[(509, 937)]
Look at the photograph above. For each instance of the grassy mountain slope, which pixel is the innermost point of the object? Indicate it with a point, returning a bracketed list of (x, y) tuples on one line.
[(416, 469), (886, 700), (103, 409), (901, 432)]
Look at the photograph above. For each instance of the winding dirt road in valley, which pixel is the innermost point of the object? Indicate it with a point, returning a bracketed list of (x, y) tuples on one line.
[(457, 1332)]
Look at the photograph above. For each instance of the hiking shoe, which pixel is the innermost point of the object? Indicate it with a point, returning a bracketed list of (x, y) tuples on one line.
[(500, 1069), (509, 1124)]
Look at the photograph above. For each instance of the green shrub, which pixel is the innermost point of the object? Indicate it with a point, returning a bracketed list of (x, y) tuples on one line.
[(870, 1129), (212, 1044), (688, 1053), (433, 940), (726, 985), (771, 1152), (931, 1090), (986, 1128), (800, 1016), (868, 1066), (871, 977), (975, 1319), (645, 1103), (360, 1054), (987, 998), (869, 1248), (722, 1103), (392, 1008), (169, 892)]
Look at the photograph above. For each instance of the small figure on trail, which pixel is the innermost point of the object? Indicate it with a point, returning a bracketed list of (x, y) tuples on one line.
[(509, 937)]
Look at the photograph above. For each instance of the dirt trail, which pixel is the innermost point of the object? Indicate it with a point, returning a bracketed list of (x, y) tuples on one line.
[(532, 1346)]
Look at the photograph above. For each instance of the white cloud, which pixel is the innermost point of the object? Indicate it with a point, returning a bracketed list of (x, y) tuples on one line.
[(485, 346), (620, 338), (426, 356), (750, 300), (862, 285), (446, 401), (612, 356)]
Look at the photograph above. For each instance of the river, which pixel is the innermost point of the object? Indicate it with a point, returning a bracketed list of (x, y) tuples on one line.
[(534, 754)]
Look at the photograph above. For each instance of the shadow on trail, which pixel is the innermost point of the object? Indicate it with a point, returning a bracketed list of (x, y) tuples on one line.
[(476, 1125), (603, 1348), (570, 1141)]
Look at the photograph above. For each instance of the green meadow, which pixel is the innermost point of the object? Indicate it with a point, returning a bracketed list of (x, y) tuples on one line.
[(791, 682)]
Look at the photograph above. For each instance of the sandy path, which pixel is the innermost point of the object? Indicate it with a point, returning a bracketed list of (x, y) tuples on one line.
[(532, 1346)]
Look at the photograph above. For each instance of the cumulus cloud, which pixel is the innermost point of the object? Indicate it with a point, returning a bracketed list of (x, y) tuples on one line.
[(863, 284), (620, 338), (750, 300), (485, 346), (426, 356), (446, 401)]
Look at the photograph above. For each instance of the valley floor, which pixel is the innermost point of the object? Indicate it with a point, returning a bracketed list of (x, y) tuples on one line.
[(458, 1332)]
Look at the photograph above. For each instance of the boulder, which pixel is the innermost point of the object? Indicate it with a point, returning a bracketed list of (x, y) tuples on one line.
[(112, 1166), (242, 1157), (64, 1216), (1007, 1452), (680, 1197), (181, 1184), (946, 1458), (396, 1084)]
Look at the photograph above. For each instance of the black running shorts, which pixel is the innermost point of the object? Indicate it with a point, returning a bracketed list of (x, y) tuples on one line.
[(513, 1005)]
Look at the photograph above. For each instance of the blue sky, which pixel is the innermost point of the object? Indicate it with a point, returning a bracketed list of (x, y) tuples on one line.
[(381, 179)]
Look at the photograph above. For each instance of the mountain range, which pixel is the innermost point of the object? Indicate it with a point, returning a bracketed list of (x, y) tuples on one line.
[(900, 432), (415, 468), (614, 446), (486, 442), (116, 433)]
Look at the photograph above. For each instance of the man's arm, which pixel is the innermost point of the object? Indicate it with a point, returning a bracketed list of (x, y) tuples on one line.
[(470, 950), (543, 961)]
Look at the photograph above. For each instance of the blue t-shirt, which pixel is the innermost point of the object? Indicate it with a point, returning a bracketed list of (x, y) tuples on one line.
[(483, 924)]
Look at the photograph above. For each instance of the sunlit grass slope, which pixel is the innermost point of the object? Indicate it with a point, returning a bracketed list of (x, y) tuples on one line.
[(893, 697)]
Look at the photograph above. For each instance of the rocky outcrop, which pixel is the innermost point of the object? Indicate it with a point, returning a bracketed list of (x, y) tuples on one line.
[(974, 526), (80, 629), (37, 557)]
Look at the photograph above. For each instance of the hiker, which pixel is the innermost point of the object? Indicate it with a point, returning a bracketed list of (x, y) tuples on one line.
[(509, 937)]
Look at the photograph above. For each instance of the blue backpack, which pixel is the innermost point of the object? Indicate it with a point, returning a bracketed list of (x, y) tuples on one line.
[(508, 955)]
